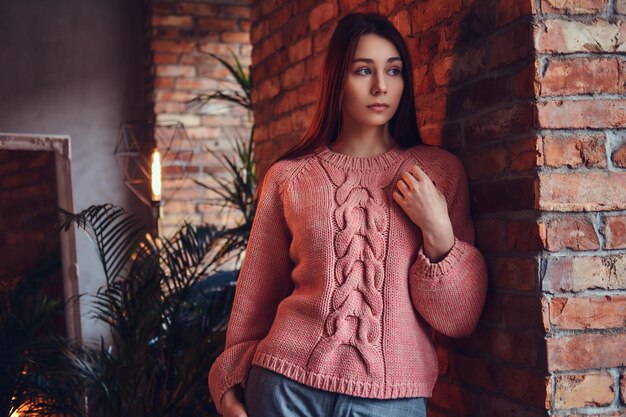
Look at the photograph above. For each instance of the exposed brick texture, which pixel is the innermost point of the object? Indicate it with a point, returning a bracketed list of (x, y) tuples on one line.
[(573, 7), (591, 389), (580, 273), (586, 350), (183, 32), (564, 35), (575, 151), (615, 232), (577, 313), (580, 92), (583, 190), (572, 232), (569, 76)]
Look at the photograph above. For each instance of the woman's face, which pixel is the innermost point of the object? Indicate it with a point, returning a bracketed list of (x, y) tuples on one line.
[(374, 76)]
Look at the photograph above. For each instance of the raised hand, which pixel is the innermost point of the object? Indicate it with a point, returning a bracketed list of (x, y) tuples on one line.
[(426, 206)]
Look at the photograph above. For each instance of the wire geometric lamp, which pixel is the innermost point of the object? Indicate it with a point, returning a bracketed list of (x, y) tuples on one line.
[(134, 152)]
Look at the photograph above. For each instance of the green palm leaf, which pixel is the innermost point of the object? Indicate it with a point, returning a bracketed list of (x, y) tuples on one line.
[(243, 79), (115, 233), (165, 329)]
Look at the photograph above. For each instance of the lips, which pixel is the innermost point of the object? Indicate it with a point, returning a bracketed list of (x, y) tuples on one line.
[(378, 107)]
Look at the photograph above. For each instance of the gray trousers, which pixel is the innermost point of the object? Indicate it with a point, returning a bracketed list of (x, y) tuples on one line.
[(270, 394)]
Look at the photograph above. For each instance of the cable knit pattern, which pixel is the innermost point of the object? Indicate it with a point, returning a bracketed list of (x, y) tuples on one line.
[(335, 290), (360, 249)]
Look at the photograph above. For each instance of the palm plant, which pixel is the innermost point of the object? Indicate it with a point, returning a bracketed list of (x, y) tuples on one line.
[(237, 192), (167, 319), (33, 378), (244, 80)]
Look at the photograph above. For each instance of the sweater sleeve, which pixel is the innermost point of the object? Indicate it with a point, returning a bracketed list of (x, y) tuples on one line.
[(450, 294), (264, 280)]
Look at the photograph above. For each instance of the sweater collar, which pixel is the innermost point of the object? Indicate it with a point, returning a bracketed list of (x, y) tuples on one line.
[(357, 163)]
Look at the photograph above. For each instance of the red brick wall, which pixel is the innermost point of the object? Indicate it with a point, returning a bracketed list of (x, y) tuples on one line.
[(182, 33), (287, 58), (474, 94), (581, 115)]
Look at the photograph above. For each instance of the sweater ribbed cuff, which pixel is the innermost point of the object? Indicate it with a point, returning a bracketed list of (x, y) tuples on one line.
[(228, 383), (231, 368), (429, 273)]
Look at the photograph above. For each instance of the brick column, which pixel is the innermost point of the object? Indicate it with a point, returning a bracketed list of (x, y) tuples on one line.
[(182, 33), (474, 80), (581, 115)]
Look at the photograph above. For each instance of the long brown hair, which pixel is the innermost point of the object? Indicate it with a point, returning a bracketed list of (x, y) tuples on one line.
[(326, 123)]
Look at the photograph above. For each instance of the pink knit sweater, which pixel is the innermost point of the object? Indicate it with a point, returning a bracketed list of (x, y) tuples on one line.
[(335, 291)]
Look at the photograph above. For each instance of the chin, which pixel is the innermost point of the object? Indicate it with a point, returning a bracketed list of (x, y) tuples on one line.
[(376, 122)]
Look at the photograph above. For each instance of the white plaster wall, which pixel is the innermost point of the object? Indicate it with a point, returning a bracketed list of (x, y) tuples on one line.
[(76, 67)]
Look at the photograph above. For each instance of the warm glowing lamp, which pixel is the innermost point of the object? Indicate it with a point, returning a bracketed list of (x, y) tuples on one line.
[(155, 179), (156, 175)]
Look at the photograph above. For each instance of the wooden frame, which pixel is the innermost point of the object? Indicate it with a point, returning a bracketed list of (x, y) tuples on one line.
[(60, 145)]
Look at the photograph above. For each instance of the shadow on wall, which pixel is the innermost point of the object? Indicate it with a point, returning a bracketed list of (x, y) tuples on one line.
[(475, 97)]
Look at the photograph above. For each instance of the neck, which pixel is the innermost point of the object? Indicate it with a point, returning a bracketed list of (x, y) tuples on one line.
[(364, 142)]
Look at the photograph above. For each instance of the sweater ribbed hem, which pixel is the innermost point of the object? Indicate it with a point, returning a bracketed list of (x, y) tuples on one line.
[(343, 385), (361, 163)]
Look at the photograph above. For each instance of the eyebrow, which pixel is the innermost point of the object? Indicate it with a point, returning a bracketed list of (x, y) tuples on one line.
[(371, 61)]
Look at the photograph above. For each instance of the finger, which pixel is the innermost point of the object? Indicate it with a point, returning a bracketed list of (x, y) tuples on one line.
[(409, 179), (398, 197), (418, 173), (403, 187), (421, 175)]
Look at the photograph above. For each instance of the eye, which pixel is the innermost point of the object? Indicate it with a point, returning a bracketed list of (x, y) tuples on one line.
[(399, 71)]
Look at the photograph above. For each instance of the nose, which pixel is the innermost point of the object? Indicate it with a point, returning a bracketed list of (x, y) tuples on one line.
[(379, 84)]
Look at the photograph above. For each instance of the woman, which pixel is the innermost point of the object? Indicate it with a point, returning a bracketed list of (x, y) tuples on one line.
[(361, 244)]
